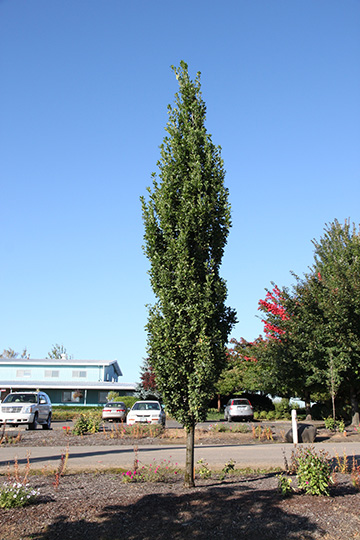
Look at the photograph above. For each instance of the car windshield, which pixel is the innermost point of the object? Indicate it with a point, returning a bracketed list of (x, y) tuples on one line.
[(21, 398), (240, 402), (145, 406), (114, 405)]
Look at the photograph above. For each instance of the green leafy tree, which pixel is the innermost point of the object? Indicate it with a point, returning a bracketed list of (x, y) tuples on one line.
[(244, 371), (187, 221), (113, 396), (313, 329), (337, 272), (279, 370), (306, 340), (57, 351), (291, 358)]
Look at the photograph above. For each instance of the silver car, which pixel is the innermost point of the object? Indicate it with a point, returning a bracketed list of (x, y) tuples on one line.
[(114, 410), (29, 408), (238, 408)]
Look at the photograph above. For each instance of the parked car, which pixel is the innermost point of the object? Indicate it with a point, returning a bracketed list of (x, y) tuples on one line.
[(146, 412), (31, 408), (240, 408), (114, 410)]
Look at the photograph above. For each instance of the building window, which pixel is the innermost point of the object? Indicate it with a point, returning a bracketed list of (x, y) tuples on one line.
[(79, 374), (103, 397), (51, 373), (69, 396), (23, 373)]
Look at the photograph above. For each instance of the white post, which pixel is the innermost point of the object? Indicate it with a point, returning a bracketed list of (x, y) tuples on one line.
[(294, 427)]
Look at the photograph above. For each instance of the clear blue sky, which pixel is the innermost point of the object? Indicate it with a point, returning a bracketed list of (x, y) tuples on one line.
[(85, 86)]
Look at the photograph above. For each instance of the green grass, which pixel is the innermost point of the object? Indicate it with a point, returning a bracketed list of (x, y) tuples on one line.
[(214, 416)]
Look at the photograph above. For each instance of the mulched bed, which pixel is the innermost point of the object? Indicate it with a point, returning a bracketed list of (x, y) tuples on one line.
[(101, 507)]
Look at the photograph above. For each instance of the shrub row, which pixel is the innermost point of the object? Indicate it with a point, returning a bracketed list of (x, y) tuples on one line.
[(70, 412)]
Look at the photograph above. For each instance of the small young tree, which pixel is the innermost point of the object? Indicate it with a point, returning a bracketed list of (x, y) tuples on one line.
[(187, 221), (113, 396)]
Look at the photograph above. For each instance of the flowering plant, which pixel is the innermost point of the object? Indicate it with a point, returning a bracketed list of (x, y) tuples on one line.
[(155, 472), (203, 471), (284, 485), (15, 494), (313, 471)]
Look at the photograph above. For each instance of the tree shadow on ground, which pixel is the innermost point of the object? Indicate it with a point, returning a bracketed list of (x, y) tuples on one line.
[(225, 511)]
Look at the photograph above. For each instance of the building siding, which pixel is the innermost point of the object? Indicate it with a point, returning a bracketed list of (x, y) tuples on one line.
[(60, 379)]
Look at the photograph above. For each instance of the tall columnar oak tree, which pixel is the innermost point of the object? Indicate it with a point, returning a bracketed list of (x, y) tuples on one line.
[(187, 221)]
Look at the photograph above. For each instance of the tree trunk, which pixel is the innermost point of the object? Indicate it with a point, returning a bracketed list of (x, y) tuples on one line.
[(219, 403), (333, 407), (189, 466), (354, 406), (308, 406)]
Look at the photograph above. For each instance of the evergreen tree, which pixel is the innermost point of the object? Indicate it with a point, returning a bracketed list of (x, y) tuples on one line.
[(187, 221)]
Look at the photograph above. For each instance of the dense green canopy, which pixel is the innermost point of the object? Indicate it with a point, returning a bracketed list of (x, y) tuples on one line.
[(187, 221)]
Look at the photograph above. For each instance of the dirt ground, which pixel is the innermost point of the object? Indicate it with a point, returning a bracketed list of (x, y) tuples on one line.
[(113, 434), (99, 506)]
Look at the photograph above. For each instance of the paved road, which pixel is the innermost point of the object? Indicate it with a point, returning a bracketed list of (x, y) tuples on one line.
[(105, 457)]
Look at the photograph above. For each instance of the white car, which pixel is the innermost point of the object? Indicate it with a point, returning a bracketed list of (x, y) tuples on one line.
[(26, 408), (146, 412)]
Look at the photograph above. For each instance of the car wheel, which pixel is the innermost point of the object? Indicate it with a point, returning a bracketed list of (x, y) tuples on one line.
[(34, 423), (48, 423)]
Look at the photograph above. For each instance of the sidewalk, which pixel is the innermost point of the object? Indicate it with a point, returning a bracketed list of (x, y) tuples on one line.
[(264, 456)]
